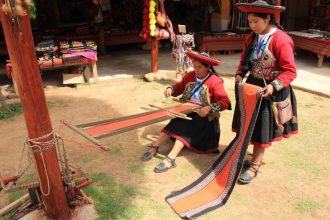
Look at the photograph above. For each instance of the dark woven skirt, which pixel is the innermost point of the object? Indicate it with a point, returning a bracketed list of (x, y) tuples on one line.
[(198, 134), (265, 131)]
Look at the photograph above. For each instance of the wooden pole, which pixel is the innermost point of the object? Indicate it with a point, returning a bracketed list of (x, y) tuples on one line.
[(154, 55), (14, 204), (20, 46), (278, 15)]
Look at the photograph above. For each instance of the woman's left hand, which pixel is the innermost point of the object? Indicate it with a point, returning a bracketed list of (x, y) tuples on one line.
[(267, 91), (204, 111)]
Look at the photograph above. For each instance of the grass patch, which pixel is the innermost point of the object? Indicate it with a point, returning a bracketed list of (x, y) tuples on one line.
[(306, 206), (89, 159), (112, 200), (85, 84), (116, 150), (135, 167), (16, 109)]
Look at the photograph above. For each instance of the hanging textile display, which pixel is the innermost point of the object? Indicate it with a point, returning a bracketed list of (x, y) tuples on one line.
[(183, 43), (214, 187)]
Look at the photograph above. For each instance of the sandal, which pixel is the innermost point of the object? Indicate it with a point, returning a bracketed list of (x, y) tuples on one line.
[(246, 164), (148, 156), (245, 177), (160, 168)]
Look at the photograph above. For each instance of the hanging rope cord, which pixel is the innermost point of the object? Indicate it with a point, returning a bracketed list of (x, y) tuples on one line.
[(39, 145)]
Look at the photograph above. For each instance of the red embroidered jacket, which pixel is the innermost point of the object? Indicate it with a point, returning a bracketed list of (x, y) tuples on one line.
[(282, 71), (212, 93)]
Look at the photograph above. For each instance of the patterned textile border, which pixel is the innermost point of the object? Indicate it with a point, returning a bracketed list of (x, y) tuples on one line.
[(214, 187)]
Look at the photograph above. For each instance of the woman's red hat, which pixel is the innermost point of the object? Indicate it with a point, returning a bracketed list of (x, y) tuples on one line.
[(203, 58), (260, 6)]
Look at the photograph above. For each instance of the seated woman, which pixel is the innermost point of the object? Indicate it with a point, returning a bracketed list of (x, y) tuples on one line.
[(201, 134)]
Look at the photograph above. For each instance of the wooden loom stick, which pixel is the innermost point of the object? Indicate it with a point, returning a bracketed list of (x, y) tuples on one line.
[(88, 137), (14, 204), (7, 180), (15, 188), (176, 114)]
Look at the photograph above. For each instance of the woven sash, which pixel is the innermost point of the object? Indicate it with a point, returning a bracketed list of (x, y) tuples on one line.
[(214, 187)]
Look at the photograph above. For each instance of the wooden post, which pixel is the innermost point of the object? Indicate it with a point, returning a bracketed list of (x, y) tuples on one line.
[(22, 54), (154, 55), (101, 40), (278, 15)]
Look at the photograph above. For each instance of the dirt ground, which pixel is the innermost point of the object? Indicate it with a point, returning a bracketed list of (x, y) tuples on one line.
[(293, 184)]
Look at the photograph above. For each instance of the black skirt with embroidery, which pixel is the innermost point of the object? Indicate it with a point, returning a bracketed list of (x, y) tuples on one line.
[(199, 134), (266, 131)]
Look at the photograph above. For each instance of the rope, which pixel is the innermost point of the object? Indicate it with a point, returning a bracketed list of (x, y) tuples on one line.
[(42, 146), (18, 174), (67, 178), (39, 145)]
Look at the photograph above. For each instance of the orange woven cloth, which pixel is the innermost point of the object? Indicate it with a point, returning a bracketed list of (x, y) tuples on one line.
[(214, 187)]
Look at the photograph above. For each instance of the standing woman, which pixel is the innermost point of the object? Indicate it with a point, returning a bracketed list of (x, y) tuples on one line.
[(268, 57), (201, 134)]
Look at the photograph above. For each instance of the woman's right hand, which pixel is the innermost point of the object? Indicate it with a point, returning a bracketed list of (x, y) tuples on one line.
[(168, 92), (238, 79)]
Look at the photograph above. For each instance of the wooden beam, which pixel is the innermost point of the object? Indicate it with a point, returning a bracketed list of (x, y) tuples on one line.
[(14, 204), (19, 40)]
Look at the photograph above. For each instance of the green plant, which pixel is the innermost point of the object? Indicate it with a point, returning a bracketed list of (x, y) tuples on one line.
[(112, 199), (16, 108), (307, 206), (32, 11)]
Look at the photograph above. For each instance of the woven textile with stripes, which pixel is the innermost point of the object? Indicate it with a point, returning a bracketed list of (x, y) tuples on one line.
[(214, 187)]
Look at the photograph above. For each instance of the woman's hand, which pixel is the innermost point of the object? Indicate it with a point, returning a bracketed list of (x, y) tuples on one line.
[(204, 111), (238, 79), (168, 92), (267, 91)]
